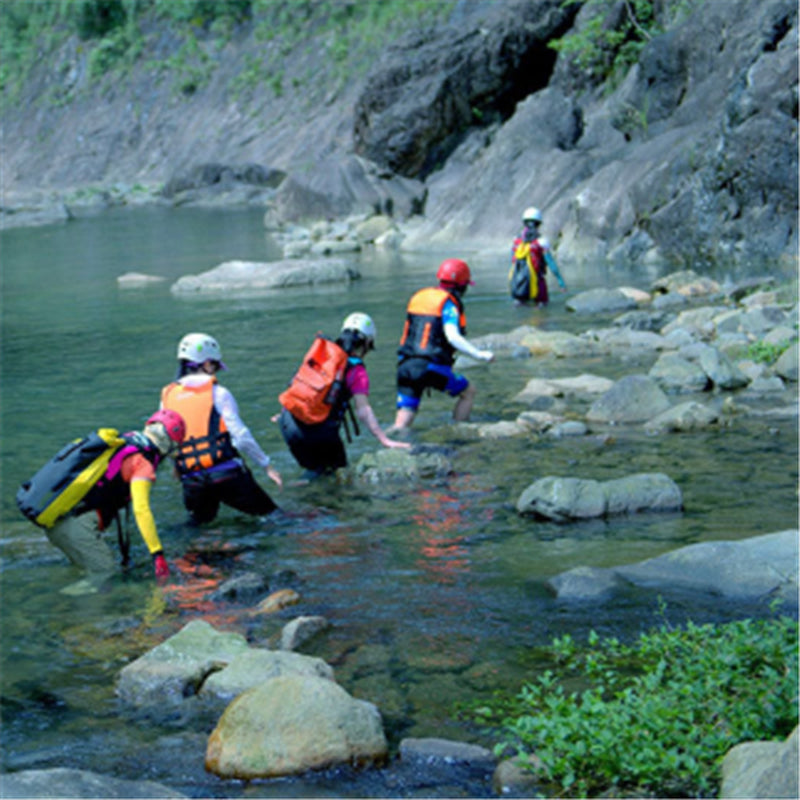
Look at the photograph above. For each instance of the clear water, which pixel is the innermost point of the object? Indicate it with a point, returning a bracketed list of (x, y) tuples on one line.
[(436, 593)]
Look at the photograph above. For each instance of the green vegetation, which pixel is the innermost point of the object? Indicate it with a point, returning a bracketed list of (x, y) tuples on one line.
[(766, 353), (655, 718), (110, 37), (614, 34)]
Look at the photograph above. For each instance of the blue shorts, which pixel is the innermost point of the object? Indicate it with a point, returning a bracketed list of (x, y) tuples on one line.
[(414, 375)]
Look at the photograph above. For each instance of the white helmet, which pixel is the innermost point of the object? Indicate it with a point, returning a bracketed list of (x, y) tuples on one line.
[(532, 214), (199, 347), (363, 324)]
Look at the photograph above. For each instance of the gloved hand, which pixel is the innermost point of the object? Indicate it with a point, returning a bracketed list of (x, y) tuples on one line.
[(160, 566)]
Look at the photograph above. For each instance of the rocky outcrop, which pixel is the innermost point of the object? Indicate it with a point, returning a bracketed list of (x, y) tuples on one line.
[(247, 276)]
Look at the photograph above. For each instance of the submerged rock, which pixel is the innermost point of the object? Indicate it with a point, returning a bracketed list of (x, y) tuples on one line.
[(400, 465)]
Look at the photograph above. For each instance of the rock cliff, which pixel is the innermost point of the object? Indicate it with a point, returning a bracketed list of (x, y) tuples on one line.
[(688, 158)]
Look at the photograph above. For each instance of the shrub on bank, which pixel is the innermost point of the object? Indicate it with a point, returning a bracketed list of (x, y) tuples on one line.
[(656, 717)]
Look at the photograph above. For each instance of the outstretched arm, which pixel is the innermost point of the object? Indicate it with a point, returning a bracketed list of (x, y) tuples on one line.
[(464, 346), (365, 413)]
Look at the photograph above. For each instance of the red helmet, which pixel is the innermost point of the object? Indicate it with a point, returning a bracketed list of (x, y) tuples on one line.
[(173, 424), (455, 271)]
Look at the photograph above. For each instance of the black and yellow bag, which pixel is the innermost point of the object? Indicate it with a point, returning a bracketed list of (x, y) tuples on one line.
[(60, 485)]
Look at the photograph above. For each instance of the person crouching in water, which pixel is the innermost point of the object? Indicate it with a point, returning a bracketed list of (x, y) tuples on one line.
[(434, 331), (131, 474), (209, 463), (318, 448)]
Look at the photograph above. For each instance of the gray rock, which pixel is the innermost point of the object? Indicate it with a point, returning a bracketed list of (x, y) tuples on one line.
[(634, 398), (177, 668), (248, 276), (786, 365), (675, 374), (586, 583), (596, 301), (761, 770), (762, 567), (301, 630), (66, 782), (433, 750), (749, 568), (688, 416), (257, 666), (569, 499), (391, 466)]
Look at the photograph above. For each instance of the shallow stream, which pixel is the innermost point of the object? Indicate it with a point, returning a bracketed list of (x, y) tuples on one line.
[(436, 593)]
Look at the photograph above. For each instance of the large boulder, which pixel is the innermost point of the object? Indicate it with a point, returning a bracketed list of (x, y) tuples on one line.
[(291, 724), (248, 276), (570, 499)]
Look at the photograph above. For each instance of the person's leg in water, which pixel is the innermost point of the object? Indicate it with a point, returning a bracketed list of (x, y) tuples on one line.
[(463, 407), (407, 407)]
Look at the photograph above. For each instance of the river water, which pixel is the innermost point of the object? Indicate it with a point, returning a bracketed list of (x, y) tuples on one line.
[(436, 594)]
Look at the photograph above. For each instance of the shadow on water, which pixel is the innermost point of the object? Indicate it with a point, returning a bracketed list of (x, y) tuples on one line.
[(436, 595)]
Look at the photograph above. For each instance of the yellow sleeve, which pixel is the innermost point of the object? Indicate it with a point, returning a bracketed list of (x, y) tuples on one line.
[(140, 495)]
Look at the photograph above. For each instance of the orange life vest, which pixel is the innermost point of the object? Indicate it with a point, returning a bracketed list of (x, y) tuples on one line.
[(423, 332), (207, 439)]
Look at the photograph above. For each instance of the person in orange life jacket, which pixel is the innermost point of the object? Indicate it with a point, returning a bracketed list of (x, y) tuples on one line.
[(319, 448), (79, 534), (531, 221), (434, 331), (209, 463)]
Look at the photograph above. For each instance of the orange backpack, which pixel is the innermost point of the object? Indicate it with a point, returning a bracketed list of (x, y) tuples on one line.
[(317, 385)]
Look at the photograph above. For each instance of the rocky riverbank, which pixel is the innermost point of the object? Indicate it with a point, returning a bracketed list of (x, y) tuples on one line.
[(687, 158)]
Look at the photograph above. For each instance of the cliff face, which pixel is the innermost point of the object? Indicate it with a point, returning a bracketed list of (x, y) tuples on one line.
[(691, 158)]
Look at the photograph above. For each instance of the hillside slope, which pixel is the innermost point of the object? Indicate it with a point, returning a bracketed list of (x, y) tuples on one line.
[(690, 157)]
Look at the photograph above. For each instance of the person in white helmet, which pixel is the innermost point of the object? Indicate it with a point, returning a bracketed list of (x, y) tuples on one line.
[(319, 448), (531, 257), (209, 462)]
